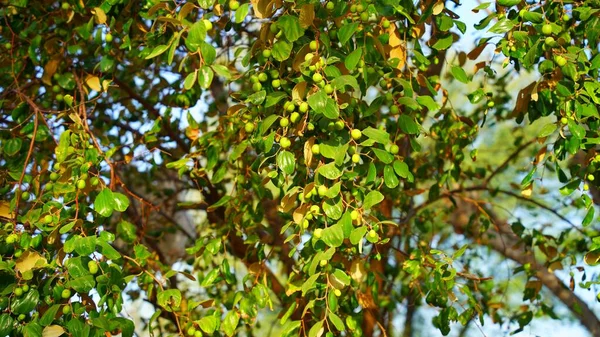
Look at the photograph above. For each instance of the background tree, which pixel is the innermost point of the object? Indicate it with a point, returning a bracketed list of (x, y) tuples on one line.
[(318, 161)]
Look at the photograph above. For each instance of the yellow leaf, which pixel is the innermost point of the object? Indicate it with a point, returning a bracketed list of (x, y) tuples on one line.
[(49, 70), (5, 210), (53, 331), (99, 15), (262, 8), (399, 53), (357, 271), (30, 260), (438, 7), (105, 84), (528, 191), (307, 15), (94, 83)]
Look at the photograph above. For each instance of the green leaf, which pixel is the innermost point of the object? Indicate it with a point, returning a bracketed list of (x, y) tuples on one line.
[(290, 25), (333, 236), (230, 323), (383, 155), (211, 278), (377, 135), (337, 322), (389, 177), (408, 125), (346, 32), (577, 130), (158, 50), (49, 314), (357, 234), (274, 98), (33, 329), (25, 303), (329, 171), (459, 73), (589, 216), (309, 283), (502, 26), (508, 3), (341, 82), (104, 203), (241, 13), (205, 77), (443, 43), (257, 98), (196, 36), (286, 162), (372, 199), (82, 284), (209, 324), (169, 298), (333, 208), (208, 52), (322, 103), (353, 58), (281, 50), (120, 202), (190, 80), (108, 251), (341, 277), (126, 231), (428, 102), (401, 169), (13, 146), (6, 325), (547, 130)]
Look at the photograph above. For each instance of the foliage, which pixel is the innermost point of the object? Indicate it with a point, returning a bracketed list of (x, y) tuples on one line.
[(329, 160)]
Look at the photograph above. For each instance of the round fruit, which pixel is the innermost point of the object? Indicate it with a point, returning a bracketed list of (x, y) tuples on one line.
[(25, 288), (360, 8), (303, 107), (257, 86), (18, 292), (561, 61), (94, 181), (310, 126), (21, 317), (208, 24), (318, 233), (294, 117), (323, 263), (249, 127), (92, 267), (337, 293), (364, 16), (564, 120), (316, 149), (56, 88), (394, 109), (490, 104), (547, 29), (386, 24), (233, 5), (322, 190), (66, 293), (354, 215), (356, 134), (108, 37), (338, 125), (18, 253), (330, 5), (284, 122), (328, 89), (276, 83), (198, 333), (253, 79), (315, 208), (317, 77), (65, 6), (262, 77), (66, 310), (356, 158), (81, 184), (394, 149), (191, 331), (313, 45), (308, 57), (372, 233), (47, 218), (285, 142), (25, 196), (54, 176), (305, 223), (291, 107), (549, 41)]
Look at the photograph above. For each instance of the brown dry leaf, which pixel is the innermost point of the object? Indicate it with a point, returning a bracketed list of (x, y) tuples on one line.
[(308, 155), (53, 331), (299, 57), (30, 260), (288, 201), (299, 91), (185, 10), (473, 54), (536, 285), (49, 70), (307, 15), (5, 210), (299, 213), (479, 65), (94, 83), (523, 98), (540, 155), (462, 58), (262, 8)]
